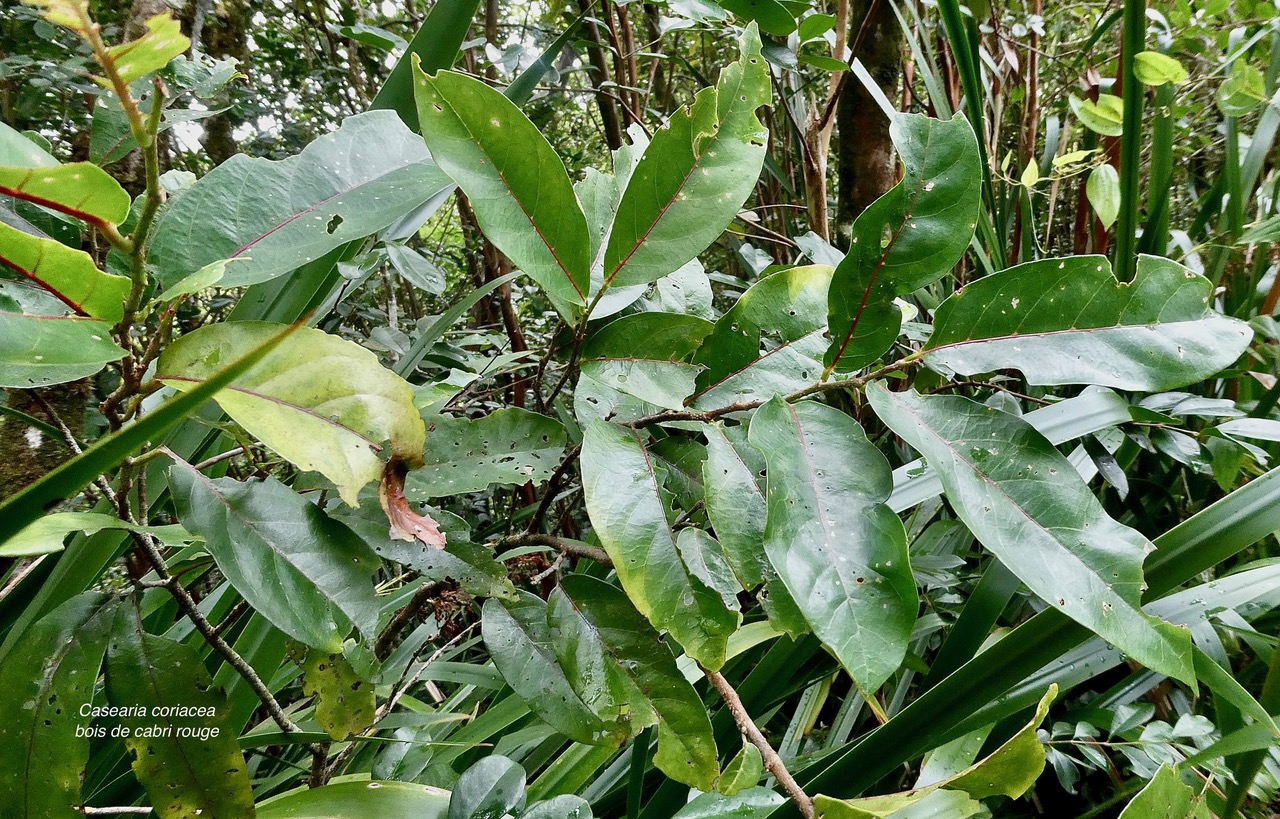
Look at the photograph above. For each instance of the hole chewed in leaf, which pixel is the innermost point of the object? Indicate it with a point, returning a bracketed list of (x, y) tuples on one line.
[(406, 524)]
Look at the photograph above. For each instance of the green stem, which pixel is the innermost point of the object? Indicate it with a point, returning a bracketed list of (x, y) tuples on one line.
[(1133, 40)]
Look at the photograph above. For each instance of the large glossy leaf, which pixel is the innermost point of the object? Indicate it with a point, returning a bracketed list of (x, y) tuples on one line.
[(191, 765), (509, 446), (908, 238), (36, 351), (490, 789), (47, 679), (306, 572), (602, 617), (275, 216), (522, 647), (624, 500), (80, 189), (521, 193), (64, 272), (1069, 321), (1010, 770), (839, 551), (770, 342), (1025, 502), (644, 354), (320, 401), (694, 175), (358, 799)]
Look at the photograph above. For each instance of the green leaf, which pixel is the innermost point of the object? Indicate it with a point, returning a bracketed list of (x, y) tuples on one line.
[(770, 342), (738, 512), (304, 571), (635, 651), (1166, 796), (276, 216), (358, 798), (81, 189), (321, 402), (1154, 68), (36, 351), (694, 175), (770, 15), (1103, 190), (840, 552), (705, 559), (65, 272), (22, 508), (508, 446), (18, 151), (743, 771), (490, 789), (908, 238), (191, 766), (521, 193), (565, 806), (344, 702), (1242, 92), (643, 355), (45, 535), (624, 500), (47, 679), (1026, 503), (1105, 117), (1010, 770), (1069, 321), (135, 59), (416, 270), (753, 803), (522, 646)]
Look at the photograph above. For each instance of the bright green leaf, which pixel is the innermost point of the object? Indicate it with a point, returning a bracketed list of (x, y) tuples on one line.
[(1030, 174), (840, 552), (694, 175), (1154, 68), (81, 189), (321, 402), (743, 771), (306, 572), (1105, 117), (1103, 191), (1024, 500), (624, 500), (1242, 92), (772, 17), (67, 273), (521, 193), (1069, 321), (162, 41), (45, 535), (358, 798), (1166, 796)]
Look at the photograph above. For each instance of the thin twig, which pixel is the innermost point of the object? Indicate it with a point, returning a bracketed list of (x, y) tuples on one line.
[(386, 640), (772, 762), (553, 486), (562, 546)]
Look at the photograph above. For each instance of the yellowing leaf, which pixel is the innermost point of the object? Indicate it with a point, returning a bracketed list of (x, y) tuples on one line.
[(321, 402), (150, 52)]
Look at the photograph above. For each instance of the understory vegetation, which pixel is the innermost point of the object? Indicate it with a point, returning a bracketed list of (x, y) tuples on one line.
[(699, 408)]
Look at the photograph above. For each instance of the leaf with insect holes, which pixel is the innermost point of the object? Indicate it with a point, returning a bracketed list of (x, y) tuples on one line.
[(321, 402), (1070, 321)]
